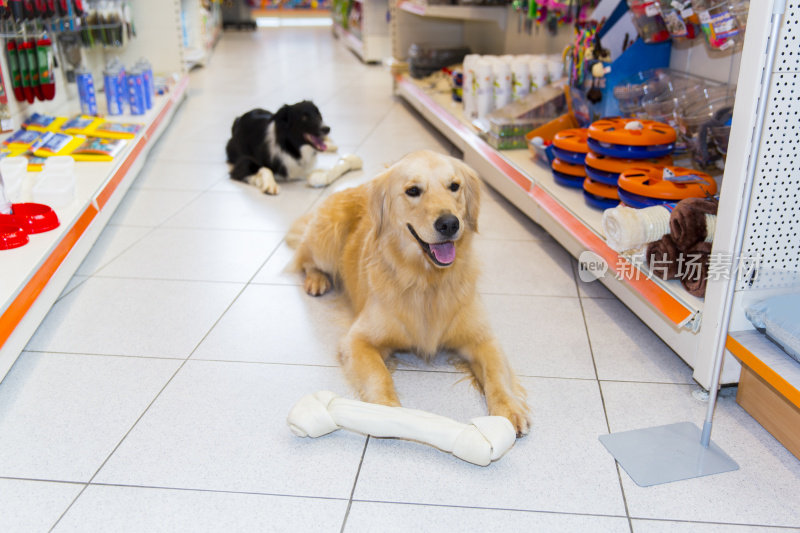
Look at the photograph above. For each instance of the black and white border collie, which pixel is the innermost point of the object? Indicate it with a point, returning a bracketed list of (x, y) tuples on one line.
[(265, 147)]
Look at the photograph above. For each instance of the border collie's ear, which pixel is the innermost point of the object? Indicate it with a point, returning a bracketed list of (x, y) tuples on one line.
[(472, 192), (283, 114), (379, 200)]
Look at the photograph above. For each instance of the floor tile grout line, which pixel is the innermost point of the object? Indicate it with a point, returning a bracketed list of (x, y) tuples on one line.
[(483, 508), (355, 482), (602, 397), (442, 370), (567, 513), (216, 491), (389, 502)]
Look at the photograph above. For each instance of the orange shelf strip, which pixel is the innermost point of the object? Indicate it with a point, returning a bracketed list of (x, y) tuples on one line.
[(27, 296), (759, 367)]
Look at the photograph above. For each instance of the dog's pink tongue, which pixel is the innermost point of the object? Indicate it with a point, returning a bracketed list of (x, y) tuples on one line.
[(444, 252)]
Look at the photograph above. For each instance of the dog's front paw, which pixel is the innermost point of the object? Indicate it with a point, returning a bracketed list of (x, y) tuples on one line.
[(264, 179), (516, 411), (318, 178), (317, 283)]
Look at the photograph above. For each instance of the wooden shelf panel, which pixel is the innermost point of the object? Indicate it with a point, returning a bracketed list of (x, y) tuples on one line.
[(767, 360)]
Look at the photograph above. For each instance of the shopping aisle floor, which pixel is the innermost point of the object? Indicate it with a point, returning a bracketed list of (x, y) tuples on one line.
[(154, 395)]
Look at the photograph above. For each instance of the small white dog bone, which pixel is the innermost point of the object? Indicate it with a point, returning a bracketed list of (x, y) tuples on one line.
[(346, 163), (485, 440)]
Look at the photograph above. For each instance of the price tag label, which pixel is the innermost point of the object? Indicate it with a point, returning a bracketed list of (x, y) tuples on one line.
[(651, 10)]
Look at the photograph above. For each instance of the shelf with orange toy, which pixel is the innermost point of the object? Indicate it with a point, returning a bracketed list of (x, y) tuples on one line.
[(530, 184)]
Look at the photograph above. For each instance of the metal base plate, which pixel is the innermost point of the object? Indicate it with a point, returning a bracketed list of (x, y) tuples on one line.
[(663, 454)]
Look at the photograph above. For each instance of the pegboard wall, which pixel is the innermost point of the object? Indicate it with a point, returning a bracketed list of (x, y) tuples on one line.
[(771, 249)]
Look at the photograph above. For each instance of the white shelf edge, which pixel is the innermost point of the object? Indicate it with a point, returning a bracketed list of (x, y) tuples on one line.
[(498, 14)]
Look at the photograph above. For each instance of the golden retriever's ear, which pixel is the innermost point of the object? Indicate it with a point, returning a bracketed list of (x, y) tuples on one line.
[(379, 201), (472, 192)]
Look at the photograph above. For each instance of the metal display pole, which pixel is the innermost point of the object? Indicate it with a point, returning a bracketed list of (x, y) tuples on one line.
[(663, 454)]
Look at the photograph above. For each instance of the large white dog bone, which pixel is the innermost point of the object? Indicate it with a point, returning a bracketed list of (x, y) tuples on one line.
[(482, 441), (346, 163)]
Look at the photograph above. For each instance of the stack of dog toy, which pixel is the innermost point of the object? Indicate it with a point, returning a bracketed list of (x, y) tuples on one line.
[(678, 237), (625, 160), (602, 176), (684, 252)]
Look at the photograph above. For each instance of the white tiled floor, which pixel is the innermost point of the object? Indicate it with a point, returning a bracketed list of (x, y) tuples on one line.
[(154, 395)]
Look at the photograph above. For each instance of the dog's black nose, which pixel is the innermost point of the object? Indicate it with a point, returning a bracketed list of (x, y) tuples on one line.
[(447, 225), (326, 130)]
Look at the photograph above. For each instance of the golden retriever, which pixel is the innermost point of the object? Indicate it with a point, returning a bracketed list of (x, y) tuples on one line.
[(400, 247)]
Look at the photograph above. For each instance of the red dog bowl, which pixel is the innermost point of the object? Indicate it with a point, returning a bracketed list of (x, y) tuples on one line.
[(34, 218), (11, 235)]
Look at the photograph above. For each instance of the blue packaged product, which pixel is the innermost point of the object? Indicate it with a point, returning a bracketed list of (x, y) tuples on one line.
[(122, 84), (150, 87), (86, 92), (136, 92), (111, 84)]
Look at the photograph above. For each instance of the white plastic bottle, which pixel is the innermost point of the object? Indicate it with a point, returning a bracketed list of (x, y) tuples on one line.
[(520, 78), (502, 84), (555, 69), (469, 96), (538, 73), (484, 97)]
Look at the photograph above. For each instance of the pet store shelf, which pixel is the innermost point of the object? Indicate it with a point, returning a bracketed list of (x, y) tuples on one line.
[(350, 40), (665, 306), (497, 14), (372, 43), (35, 274)]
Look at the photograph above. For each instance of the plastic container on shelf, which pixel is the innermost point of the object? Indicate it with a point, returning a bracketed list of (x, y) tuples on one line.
[(55, 187), (501, 72), (484, 94), (721, 136), (63, 164), (520, 78), (555, 69), (695, 126), (631, 91), (538, 68), (680, 20), (506, 142), (425, 59), (719, 22), (13, 170), (648, 20), (468, 93)]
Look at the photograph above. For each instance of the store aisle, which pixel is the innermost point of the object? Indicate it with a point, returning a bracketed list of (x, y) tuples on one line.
[(154, 395)]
